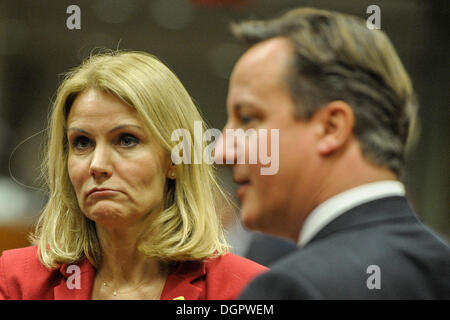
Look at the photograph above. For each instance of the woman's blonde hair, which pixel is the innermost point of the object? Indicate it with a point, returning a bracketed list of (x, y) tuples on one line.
[(189, 228)]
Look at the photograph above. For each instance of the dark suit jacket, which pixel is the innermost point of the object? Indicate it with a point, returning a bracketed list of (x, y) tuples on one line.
[(22, 276), (267, 249), (413, 262)]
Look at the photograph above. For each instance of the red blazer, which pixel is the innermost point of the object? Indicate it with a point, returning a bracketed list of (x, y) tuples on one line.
[(22, 276)]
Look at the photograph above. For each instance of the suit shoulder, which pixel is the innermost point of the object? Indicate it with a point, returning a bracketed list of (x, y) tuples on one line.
[(227, 275), (341, 264)]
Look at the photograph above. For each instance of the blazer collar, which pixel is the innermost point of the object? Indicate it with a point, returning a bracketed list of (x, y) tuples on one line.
[(68, 288), (181, 283)]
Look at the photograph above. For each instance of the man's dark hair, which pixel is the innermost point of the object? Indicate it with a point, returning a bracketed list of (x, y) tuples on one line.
[(338, 58)]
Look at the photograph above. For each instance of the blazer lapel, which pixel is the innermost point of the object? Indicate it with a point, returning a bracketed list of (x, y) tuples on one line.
[(183, 282), (71, 288)]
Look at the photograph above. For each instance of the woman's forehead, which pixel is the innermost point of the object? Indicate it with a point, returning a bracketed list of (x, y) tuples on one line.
[(97, 106)]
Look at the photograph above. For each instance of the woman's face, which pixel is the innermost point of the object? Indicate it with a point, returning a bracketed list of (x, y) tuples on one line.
[(117, 168)]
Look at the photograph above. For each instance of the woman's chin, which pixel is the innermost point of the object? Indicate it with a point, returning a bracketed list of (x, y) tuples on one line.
[(105, 215)]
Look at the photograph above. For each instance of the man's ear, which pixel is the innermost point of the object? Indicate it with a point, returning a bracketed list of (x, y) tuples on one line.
[(336, 120)]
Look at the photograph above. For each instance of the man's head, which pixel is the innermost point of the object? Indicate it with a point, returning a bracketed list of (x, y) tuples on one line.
[(341, 100)]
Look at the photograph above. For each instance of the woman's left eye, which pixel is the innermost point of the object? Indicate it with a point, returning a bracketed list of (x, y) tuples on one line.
[(128, 140)]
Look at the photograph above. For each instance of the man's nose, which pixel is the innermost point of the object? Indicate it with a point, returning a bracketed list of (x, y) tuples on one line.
[(101, 165), (224, 151)]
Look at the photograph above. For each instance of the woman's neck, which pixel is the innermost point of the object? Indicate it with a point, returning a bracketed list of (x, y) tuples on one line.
[(123, 265)]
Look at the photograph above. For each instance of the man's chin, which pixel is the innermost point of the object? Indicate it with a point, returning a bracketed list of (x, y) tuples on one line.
[(258, 220), (253, 219)]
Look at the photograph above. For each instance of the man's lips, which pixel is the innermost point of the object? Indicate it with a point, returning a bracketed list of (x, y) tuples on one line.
[(244, 185), (241, 179)]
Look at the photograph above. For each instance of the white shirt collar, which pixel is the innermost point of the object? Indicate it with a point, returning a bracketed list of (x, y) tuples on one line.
[(342, 202)]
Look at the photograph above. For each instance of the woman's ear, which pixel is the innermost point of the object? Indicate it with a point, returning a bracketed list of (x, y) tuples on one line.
[(337, 121)]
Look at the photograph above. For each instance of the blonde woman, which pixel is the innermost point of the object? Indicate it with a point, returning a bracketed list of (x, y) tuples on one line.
[(122, 221)]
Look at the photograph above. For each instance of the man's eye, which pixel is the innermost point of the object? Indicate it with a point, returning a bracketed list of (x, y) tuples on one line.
[(128, 140), (81, 143)]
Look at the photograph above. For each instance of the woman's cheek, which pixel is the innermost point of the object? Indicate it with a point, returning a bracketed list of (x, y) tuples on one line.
[(76, 174)]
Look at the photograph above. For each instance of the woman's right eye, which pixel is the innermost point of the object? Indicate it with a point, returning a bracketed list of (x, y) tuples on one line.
[(81, 143)]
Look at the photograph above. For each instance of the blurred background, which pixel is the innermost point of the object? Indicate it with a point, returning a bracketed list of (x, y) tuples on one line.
[(193, 38)]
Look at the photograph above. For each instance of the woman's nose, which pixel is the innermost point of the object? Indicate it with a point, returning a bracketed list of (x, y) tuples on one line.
[(101, 165)]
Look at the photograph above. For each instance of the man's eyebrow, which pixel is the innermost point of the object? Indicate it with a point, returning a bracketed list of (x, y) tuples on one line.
[(237, 107), (244, 105), (110, 131)]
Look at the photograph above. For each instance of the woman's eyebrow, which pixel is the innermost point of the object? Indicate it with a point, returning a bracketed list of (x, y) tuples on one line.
[(77, 129), (110, 131), (125, 126)]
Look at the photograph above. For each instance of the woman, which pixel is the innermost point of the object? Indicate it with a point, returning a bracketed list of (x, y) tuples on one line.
[(122, 221)]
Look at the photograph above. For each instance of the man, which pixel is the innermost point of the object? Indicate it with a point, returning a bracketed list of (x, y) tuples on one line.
[(342, 103)]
